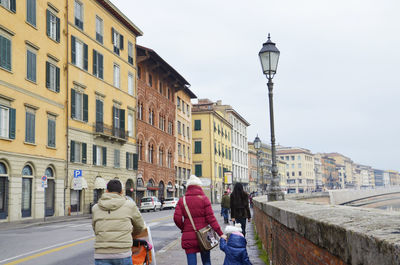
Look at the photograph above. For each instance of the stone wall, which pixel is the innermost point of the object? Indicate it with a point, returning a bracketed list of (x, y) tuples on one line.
[(296, 233)]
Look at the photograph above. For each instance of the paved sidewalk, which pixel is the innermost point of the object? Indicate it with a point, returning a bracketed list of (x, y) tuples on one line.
[(173, 254)]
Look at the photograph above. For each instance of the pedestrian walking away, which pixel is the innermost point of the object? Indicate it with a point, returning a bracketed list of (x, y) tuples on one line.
[(240, 210), (225, 206), (115, 221), (202, 214), (235, 246)]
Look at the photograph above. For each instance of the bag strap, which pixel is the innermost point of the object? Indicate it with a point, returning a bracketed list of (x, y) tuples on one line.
[(188, 213)]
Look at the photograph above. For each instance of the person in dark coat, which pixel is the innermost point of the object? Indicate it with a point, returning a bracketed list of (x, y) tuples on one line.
[(234, 247), (240, 210), (202, 214), (225, 205)]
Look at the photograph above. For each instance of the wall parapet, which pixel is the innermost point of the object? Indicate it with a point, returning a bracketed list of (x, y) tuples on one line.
[(343, 234)]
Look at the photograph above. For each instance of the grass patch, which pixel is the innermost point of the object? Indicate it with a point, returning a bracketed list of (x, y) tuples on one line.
[(263, 254)]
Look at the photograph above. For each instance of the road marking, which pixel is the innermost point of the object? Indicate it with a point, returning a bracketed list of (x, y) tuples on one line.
[(51, 250), (153, 224), (170, 245), (161, 219)]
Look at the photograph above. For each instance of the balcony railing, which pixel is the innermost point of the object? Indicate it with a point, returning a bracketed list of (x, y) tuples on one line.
[(110, 132)]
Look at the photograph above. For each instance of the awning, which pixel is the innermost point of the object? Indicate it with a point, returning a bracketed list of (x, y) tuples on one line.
[(84, 183), (152, 188), (100, 184)]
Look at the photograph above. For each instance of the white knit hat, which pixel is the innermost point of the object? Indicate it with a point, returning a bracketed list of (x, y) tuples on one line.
[(231, 228), (193, 180)]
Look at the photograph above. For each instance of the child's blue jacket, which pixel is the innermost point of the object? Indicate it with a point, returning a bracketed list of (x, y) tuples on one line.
[(235, 250)]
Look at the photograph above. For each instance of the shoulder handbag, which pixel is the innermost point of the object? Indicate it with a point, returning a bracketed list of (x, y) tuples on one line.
[(207, 238)]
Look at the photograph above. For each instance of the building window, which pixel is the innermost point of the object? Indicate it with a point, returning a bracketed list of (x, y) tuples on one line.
[(188, 152), (151, 117), (117, 158), (140, 150), (79, 14), (170, 127), (51, 131), (7, 122), (197, 125), (169, 161), (179, 128), (9, 4), (130, 125), (197, 147), (99, 155), (52, 26), (31, 12), (98, 64), (99, 29), (178, 102), (5, 52), (179, 149), (188, 130), (99, 116), (160, 87), (198, 170), (161, 156), (140, 111), (117, 41), (183, 129), (3, 191), (150, 80), (129, 160), (79, 105), (31, 65), (26, 203), (130, 52), (151, 150), (184, 150), (299, 173), (119, 122), (131, 83), (116, 75), (78, 152), (139, 72), (79, 53), (30, 126), (52, 77)]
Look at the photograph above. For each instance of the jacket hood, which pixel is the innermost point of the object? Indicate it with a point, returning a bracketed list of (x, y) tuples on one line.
[(111, 201), (194, 190), (236, 241)]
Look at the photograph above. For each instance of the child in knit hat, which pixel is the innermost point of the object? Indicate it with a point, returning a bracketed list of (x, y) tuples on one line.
[(235, 246)]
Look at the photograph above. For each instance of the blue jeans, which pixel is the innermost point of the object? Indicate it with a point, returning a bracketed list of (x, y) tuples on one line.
[(124, 261), (225, 213), (205, 258)]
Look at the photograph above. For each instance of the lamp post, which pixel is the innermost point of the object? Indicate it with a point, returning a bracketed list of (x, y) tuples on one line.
[(269, 56), (257, 146)]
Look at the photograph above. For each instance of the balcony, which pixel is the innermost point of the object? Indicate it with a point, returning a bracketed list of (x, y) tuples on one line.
[(109, 132)]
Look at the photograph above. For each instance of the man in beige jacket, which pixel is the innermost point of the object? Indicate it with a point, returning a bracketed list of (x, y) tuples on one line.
[(115, 220)]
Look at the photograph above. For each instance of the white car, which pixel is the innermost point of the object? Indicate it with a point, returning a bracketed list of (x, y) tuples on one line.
[(170, 203), (149, 203)]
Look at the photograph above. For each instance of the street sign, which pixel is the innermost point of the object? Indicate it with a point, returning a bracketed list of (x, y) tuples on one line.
[(228, 177), (77, 173), (44, 178)]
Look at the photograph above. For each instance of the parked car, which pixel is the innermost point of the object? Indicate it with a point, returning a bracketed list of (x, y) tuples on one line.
[(150, 203), (170, 203)]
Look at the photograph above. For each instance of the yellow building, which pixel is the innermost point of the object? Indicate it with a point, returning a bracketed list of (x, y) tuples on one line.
[(101, 102), (212, 149), (32, 111), (264, 157), (183, 156)]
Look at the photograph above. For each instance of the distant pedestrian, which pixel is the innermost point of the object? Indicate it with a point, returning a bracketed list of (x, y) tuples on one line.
[(115, 220), (240, 210), (235, 246), (202, 214), (225, 206)]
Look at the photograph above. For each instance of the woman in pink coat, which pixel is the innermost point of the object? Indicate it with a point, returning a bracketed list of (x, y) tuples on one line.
[(202, 214)]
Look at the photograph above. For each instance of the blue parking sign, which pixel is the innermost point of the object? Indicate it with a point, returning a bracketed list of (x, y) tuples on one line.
[(78, 173)]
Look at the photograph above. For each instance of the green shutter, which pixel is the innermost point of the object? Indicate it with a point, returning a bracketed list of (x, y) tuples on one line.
[(112, 36), (13, 6), (85, 56), (135, 161), (73, 105), (121, 42), (100, 63), (84, 149), (198, 170), (104, 156), (48, 22), (127, 160), (197, 125), (48, 132), (12, 124), (47, 74), (94, 62), (72, 151), (57, 79), (122, 120), (98, 111), (94, 154), (73, 50), (197, 147), (58, 29), (85, 108)]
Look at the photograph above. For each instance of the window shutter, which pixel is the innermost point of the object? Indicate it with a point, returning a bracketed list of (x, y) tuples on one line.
[(85, 56), (53, 133), (48, 22), (48, 132), (127, 160), (94, 62), (114, 113), (121, 42), (100, 63), (12, 124), (104, 156), (122, 120), (84, 149), (58, 29), (73, 105), (135, 161), (57, 79), (112, 35), (13, 6), (47, 74), (98, 111), (85, 107), (72, 151), (73, 50), (94, 154), (33, 128)]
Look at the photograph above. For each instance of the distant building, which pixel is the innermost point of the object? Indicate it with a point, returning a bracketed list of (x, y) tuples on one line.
[(378, 175), (264, 157), (345, 169), (394, 177)]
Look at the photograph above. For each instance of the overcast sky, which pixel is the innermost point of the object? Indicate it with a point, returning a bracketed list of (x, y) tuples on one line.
[(337, 85)]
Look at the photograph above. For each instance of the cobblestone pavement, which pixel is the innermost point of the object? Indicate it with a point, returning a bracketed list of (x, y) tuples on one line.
[(173, 254)]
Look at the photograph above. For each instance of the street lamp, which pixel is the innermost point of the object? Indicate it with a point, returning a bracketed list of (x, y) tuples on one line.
[(269, 57), (257, 146)]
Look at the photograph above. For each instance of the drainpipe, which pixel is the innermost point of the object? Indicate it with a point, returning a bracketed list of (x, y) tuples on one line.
[(67, 108)]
